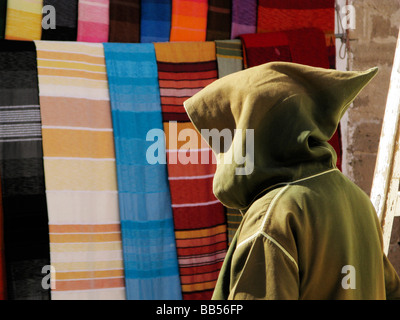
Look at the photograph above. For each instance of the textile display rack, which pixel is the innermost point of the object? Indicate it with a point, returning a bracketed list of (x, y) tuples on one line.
[(82, 106)]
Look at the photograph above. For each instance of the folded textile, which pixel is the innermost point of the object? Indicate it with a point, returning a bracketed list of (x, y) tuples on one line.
[(244, 17), (66, 20), (273, 15), (305, 46), (26, 233), (229, 56), (184, 68), (150, 258), (124, 21), (155, 20), (80, 171), (24, 19), (3, 12), (219, 20), (93, 20), (189, 20)]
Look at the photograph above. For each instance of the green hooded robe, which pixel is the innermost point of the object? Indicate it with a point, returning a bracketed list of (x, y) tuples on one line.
[(307, 231)]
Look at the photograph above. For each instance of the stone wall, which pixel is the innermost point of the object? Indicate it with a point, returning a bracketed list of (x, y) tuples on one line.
[(373, 43)]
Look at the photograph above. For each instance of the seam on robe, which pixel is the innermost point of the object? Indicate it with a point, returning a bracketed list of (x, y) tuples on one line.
[(271, 206)]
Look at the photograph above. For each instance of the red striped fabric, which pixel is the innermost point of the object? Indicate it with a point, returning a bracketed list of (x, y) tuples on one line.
[(199, 218), (282, 15)]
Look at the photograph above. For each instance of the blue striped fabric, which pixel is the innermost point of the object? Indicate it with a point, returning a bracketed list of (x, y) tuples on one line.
[(148, 239), (155, 20)]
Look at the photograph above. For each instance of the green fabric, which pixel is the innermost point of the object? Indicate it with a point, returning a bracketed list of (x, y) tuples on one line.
[(304, 221), (3, 11)]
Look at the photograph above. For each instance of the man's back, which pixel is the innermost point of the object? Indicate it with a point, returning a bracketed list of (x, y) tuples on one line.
[(315, 238)]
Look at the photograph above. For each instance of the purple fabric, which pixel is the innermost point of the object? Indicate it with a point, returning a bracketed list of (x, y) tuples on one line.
[(244, 17)]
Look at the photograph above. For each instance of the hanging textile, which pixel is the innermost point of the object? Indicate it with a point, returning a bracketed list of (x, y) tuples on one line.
[(281, 15), (155, 20), (151, 264), (93, 20), (219, 20), (124, 21), (189, 20), (66, 20), (3, 12), (305, 46), (199, 219), (26, 234), (3, 282), (244, 17), (229, 56), (24, 19), (79, 163)]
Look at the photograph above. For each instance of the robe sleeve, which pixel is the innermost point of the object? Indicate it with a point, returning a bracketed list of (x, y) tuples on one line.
[(268, 272)]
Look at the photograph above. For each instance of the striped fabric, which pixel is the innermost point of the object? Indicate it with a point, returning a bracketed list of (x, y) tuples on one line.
[(93, 20), (189, 20), (3, 293), (80, 171), (66, 20), (244, 17), (230, 60), (219, 20), (155, 20), (124, 21), (184, 68), (151, 264), (229, 56), (3, 13), (21, 169), (24, 19), (274, 15)]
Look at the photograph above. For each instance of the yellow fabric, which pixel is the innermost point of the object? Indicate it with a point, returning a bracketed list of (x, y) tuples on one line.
[(24, 20)]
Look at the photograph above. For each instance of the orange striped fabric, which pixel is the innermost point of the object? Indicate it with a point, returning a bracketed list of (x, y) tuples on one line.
[(80, 172), (184, 68), (189, 20)]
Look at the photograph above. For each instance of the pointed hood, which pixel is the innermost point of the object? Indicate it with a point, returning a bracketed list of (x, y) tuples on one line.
[(282, 115)]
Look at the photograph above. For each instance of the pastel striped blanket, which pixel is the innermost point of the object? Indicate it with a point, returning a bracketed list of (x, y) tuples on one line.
[(80, 171), (184, 68), (150, 258)]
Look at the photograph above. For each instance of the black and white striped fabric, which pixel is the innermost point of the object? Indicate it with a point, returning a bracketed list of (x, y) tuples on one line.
[(21, 170)]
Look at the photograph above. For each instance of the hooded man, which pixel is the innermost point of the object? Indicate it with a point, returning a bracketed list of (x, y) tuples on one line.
[(307, 231)]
